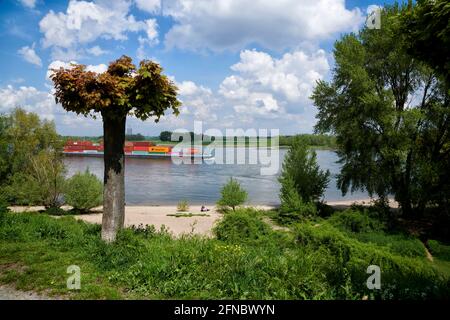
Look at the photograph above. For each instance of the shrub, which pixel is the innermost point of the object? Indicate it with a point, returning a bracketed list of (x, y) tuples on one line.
[(402, 277), (301, 172), (241, 226), (84, 191), (401, 244), (439, 250), (232, 195), (356, 221), (183, 206)]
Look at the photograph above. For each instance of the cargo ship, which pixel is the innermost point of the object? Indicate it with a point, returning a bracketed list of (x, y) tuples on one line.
[(133, 149)]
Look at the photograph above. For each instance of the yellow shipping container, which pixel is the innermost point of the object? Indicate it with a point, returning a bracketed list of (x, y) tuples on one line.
[(159, 149)]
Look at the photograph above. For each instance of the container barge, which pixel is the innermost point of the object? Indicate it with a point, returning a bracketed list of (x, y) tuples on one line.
[(132, 149)]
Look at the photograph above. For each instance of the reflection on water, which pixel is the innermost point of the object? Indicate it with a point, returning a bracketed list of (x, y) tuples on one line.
[(159, 181)]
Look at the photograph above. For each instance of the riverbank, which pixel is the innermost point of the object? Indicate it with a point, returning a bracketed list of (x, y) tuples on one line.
[(250, 257), (192, 222)]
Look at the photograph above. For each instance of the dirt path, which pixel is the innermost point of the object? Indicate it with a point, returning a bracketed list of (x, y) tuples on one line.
[(10, 293)]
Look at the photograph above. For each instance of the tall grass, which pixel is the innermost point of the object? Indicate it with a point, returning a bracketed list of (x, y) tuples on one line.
[(248, 260)]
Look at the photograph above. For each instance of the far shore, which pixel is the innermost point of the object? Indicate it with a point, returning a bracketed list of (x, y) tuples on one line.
[(159, 215)]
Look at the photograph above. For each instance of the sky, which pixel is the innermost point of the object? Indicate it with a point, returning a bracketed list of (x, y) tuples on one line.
[(249, 64)]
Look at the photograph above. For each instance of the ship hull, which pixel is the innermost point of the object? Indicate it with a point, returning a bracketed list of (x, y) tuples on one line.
[(143, 156)]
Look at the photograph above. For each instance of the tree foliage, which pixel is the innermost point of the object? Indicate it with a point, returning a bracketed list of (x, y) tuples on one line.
[(30, 159), (301, 172), (390, 114), (232, 195), (165, 136), (427, 29), (122, 89), (293, 207)]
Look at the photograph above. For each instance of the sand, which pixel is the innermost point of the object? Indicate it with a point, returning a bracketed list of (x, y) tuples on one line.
[(158, 216)]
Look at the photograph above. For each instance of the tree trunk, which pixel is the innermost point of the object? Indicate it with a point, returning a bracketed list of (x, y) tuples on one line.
[(114, 177)]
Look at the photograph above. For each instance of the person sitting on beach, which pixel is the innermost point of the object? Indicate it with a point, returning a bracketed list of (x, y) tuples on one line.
[(203, 209)]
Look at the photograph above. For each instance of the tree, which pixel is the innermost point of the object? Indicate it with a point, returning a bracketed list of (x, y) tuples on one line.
[(292, 206), (232, 194), (120, 91), (390, 114), (165, 136), (4, 163), (134, 137), (427, 29), (27, 135), (301, 171), (31, 151)]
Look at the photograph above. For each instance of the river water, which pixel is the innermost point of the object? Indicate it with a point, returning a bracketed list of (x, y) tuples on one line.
[(160, 181)]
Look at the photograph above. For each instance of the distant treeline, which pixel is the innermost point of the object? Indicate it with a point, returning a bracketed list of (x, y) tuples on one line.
[(314, 140)]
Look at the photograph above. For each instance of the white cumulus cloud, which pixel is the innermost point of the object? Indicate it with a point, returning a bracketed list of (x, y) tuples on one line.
[(30, 55), (269, 87), (151, 6), (28, 98), (232, 24), (96, 51), (84, 22), (28, 3)]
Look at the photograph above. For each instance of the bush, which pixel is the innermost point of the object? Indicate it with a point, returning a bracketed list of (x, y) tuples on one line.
[(232, 195), (241, 226), (183, 206), (402, 277), (356, 221), (84, 191), (439, 250), (401, 244)]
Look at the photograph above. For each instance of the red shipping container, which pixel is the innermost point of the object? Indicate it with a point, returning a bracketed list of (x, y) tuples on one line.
[(128, 149), (93, 148), (140, 148), (143, 143), (128, 144)]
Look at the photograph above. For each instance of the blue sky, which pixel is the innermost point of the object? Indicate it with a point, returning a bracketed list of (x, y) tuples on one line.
[(237, 63)]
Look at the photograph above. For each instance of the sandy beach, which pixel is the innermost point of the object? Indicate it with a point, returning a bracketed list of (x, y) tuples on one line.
[(161, 215)]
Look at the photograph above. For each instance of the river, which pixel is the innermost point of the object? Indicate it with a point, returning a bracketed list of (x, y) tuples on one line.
[(161, 182)]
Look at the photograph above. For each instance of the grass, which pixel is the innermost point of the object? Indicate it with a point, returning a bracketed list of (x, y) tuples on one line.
[(246, 260), (187, 215)]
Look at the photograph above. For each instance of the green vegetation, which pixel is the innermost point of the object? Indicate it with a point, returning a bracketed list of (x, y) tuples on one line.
[(30, 161), (439, 250), (302, 182), (428, 34), (84, 191), (187, 215), (248, 260), (387, 143), (312, 140), (232, 195), (183, 206)]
